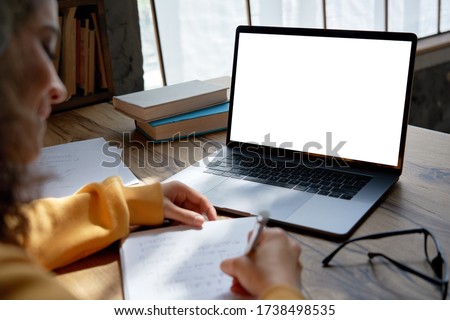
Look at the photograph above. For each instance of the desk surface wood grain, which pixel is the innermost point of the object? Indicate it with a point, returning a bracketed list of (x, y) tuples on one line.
[(420, 198)]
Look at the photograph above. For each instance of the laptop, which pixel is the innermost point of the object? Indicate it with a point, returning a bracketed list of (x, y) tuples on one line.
[(317, 127)]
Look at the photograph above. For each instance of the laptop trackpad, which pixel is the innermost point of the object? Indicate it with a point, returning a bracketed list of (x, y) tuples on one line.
[(251, 197)]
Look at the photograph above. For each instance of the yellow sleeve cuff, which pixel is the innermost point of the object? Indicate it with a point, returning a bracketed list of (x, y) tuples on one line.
[(281, 292), (145, 204)]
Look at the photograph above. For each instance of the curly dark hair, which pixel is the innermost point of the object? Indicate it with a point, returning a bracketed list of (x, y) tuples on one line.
[(16, 181), (13, 223), (13, 13)]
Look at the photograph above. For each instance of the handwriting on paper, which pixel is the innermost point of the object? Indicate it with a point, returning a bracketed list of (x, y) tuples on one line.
[(182, 263)]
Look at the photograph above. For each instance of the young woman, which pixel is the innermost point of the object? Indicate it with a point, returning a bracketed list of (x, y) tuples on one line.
[(44, 234)]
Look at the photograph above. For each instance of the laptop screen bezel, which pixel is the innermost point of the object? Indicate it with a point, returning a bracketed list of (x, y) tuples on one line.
[(317, 158)]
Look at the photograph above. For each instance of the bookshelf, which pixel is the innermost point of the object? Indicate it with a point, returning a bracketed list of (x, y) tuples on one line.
[(90, 70)]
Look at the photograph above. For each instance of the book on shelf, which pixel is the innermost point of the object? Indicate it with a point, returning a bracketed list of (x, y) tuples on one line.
[(82, 54), (90, 79), (99, 52), (57, 57), (86, 54), (69, 51), (202, 121), (154, 104)]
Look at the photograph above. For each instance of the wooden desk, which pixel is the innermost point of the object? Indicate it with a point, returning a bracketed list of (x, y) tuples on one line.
[(420, 198)]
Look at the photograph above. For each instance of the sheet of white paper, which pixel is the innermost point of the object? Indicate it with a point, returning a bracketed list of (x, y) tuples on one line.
[(72, 165), (181, 262)]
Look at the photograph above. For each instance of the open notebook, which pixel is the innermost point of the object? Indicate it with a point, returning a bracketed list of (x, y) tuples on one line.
[(181, 262)]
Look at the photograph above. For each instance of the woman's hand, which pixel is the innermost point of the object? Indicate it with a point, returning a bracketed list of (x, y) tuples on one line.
[(186, 205), (275, 261)]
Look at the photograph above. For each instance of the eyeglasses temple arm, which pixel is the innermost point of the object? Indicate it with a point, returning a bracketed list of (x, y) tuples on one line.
[(407, 269), (328, 258)]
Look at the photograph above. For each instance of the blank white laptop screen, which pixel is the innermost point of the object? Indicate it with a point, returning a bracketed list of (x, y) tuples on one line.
[(298, 88)]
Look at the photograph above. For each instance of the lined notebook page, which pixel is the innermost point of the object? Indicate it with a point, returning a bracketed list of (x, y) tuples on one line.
[(181, 262)]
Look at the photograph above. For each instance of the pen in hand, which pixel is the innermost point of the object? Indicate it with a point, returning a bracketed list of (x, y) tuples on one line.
[(261, 221)]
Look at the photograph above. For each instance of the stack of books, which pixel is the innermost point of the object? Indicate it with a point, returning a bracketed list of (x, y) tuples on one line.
[(177, 111)]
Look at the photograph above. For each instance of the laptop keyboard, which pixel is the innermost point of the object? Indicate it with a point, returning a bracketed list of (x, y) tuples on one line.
[(320, 181)]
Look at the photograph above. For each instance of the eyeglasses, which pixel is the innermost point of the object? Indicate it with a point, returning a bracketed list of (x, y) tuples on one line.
[(432, 253)]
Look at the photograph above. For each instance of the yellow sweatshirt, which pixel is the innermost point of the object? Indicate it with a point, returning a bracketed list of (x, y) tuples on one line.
[(63, 230)]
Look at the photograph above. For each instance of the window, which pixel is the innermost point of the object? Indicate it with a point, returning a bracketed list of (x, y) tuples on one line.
[(194, 39), (289, 13), (444, 16), (152, 66), (418, 16)]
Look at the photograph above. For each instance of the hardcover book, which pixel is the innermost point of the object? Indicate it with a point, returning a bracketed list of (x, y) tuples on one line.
[(150, 105), (197, 122)]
